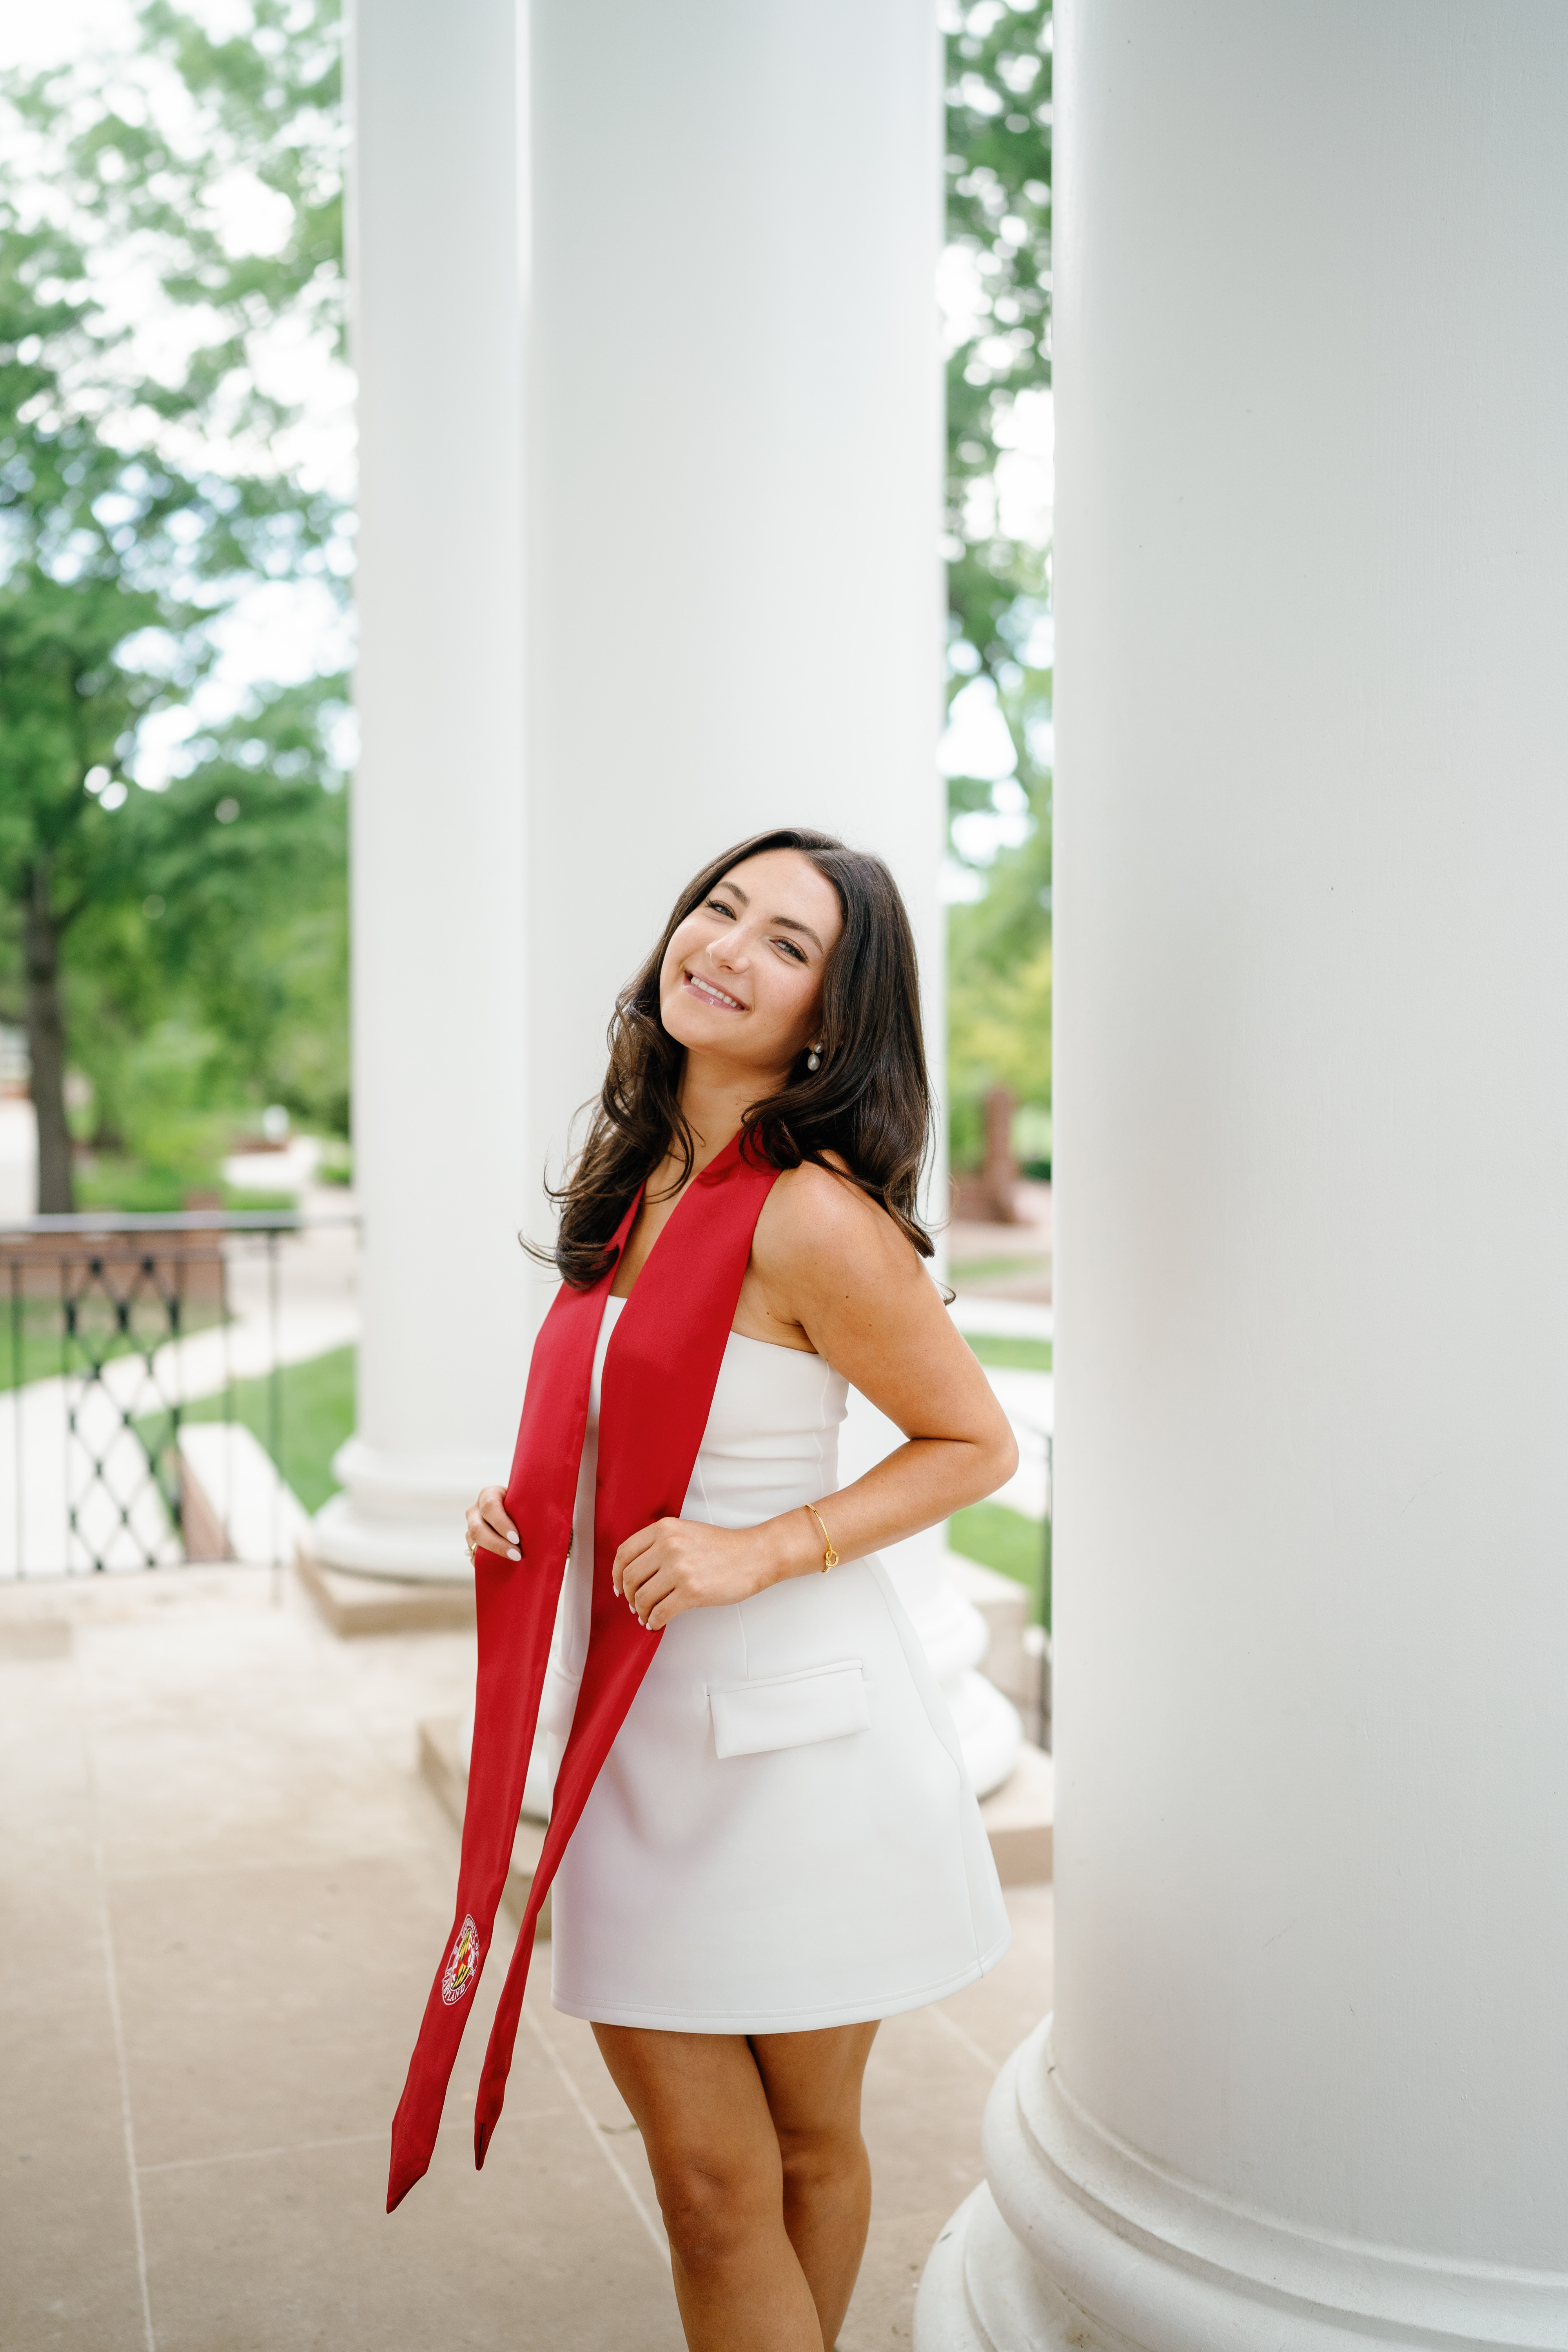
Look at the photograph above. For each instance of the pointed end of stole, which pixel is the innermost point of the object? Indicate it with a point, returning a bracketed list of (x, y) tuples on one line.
[(401, 2179)]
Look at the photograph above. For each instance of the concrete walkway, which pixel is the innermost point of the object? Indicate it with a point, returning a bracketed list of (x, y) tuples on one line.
[(223, 1890)]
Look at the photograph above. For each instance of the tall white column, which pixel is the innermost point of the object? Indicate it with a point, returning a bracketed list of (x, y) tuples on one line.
[(734, 620), (735, 433), (734, 452), (442, 1141), (1304, 2087)]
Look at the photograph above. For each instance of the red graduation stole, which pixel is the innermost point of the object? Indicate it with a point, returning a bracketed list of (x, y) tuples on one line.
[(659, 1375)]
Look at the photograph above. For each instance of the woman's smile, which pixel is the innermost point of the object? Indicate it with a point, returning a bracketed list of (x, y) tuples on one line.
[(756, 946), (710, 992)]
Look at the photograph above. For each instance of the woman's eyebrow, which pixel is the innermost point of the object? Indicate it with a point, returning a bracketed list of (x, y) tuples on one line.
[(785, 924)]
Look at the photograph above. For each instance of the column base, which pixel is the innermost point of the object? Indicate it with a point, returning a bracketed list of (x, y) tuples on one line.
[(354, 1603), (981, 2292), (401, 1516), (954, 1637), (990, 1730), (1079, 2240), (952, 1633)]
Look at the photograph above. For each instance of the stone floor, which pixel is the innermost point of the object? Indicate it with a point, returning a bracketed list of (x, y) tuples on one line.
[(223, 1886)]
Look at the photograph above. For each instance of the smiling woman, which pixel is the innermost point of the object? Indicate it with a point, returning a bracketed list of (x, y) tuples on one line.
[(832, 1061), (761, 1834)]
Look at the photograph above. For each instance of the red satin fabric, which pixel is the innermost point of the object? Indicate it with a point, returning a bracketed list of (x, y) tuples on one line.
[(660, 1372)]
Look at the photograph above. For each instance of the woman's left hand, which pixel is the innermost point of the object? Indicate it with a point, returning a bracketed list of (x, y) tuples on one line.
[(678, 1564)]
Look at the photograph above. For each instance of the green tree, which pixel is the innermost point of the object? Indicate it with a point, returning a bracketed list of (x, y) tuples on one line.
[(999, 215), (136, 503), (222, 972)]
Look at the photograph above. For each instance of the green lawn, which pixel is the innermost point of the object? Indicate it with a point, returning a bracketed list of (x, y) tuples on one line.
[(316, 1414), (1011, 1355), (30, 1343), (109, 1183), (995, 1269), (32, 1351), (1012, 1545)]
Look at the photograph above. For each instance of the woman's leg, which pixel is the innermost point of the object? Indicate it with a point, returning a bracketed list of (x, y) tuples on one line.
[(699, 2102), (813, 2086), (762, 2176)]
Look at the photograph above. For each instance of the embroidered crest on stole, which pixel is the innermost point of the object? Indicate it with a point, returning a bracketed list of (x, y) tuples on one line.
[(463, 1965)]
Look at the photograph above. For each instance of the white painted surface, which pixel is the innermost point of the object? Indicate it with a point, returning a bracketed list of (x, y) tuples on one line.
[(440, 1052), (735, 435), (1313, 1283), (19, 1158), (707, 414), (721, 395), (717, 396)]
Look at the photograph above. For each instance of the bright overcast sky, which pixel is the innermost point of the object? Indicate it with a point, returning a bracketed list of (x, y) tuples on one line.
[(31, 34)]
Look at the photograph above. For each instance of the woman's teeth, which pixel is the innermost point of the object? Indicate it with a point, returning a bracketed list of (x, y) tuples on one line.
[(714, 995)]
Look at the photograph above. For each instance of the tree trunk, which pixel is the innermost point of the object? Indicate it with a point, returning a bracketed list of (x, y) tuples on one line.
[(46, 1048)]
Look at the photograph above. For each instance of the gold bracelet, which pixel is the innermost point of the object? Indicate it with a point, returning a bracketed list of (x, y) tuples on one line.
[(829, 1556)]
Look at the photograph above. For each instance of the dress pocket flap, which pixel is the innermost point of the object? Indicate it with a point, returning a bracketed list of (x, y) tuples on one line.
[(790, 1710)]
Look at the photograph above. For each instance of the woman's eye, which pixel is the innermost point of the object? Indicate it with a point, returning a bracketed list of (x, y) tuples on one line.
[(790, 949), (717, 907)]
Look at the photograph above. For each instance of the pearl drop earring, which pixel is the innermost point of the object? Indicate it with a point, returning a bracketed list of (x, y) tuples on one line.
[(814, 1060)]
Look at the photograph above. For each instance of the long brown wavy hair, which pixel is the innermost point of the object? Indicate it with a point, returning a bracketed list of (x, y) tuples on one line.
[(869, 1102)]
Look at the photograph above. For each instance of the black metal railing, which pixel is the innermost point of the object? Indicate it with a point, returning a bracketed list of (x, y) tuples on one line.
[(104, 1309)]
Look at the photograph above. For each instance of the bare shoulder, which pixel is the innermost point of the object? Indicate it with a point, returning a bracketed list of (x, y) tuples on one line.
[(818, 1226)]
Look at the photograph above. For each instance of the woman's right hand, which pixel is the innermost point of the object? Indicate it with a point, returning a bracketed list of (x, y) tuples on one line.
[(489, 1528)]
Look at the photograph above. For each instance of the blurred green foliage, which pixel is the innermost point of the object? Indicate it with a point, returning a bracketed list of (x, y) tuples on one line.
[(999, 61), (182, 942)]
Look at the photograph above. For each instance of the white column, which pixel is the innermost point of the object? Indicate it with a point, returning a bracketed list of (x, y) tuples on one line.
[(734, 620), (734, 478), (1304, 2087), (442, 1141), (734, 455)]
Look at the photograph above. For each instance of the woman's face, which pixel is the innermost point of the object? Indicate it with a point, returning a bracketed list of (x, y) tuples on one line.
[(742, 976)]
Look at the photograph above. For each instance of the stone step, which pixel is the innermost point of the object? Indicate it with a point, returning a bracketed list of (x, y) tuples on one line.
[(382, 1604)]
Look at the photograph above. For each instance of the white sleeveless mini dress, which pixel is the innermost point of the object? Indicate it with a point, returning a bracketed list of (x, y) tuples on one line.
[(783, 1836)]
